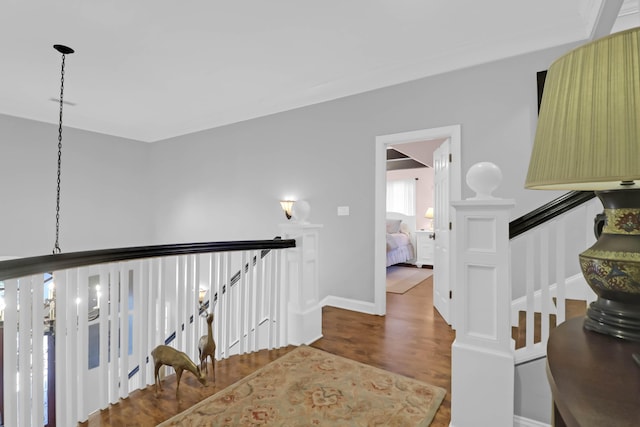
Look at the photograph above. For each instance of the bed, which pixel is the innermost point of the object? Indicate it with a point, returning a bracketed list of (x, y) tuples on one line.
[(400, 246)]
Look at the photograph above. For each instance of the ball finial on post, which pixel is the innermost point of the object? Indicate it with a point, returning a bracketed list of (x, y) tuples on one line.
[(484, 178)]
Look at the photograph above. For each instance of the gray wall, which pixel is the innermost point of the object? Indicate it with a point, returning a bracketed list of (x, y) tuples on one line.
[(533, 398), (225, 183), (104, 189)]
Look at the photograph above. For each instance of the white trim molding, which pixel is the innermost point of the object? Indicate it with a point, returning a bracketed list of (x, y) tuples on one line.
[(519, 421), (349, 304)]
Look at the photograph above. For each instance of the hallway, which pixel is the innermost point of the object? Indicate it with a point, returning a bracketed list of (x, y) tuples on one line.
[(412, 340)]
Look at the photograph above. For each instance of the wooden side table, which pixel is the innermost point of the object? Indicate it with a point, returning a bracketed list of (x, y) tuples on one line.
[(593, 377)]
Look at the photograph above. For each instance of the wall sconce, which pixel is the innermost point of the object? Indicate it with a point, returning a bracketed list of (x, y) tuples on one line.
[(287, 206), (429, 215), (201, 294)]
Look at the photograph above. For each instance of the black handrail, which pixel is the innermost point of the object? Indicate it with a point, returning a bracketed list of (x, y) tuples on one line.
[(21, 267), (548, 211)]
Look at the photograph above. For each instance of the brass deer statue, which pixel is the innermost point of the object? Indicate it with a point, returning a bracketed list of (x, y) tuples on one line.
[(207, 348), (178, 360)]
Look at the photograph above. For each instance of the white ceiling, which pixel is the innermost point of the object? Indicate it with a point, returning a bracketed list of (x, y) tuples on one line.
[(154, 69)]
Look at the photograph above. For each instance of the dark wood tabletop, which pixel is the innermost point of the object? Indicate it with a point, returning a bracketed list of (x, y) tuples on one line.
[(593, 377)]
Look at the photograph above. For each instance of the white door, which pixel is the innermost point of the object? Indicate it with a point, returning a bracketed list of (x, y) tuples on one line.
[(441, 265)]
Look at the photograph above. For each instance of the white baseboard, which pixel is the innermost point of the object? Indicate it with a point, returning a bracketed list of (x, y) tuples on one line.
[(349, 304), (519, 421)]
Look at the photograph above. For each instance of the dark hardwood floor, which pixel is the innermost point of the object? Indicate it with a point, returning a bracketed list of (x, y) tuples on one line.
[(412, 340)]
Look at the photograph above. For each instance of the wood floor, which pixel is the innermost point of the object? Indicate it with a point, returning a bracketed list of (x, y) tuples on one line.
[(412, 340)]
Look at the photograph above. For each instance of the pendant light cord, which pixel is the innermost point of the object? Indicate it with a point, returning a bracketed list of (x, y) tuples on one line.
[(64, 50)]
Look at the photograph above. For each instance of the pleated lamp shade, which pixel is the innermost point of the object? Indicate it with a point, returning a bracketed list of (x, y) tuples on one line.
[(588, 133)]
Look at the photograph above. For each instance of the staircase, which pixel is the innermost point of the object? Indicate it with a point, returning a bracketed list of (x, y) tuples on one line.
[(544, 245)]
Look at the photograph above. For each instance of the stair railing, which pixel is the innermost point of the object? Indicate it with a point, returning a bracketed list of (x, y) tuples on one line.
[(545, 273), (147, 296)]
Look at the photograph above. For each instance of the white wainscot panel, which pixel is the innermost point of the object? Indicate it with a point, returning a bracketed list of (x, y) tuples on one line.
[(481, 235), (482, 290)]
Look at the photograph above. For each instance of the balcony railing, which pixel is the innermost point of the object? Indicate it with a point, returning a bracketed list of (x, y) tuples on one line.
[(78, 328)]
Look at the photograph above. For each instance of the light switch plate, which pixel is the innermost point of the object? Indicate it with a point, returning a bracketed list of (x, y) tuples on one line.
[(343, 210)]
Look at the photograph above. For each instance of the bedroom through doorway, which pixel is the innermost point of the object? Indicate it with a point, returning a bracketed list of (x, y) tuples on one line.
[(407, 156), (409, 214)]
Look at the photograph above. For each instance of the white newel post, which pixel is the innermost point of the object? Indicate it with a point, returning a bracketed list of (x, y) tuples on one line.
[(482, 357), (305, 313)]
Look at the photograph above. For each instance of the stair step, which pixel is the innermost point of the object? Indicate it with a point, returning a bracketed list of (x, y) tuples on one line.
[(573, 308)]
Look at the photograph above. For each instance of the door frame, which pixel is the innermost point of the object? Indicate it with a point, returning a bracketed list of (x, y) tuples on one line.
[(454, 133)]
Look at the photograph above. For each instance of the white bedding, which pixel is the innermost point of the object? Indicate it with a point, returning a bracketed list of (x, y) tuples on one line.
[(400, 247)]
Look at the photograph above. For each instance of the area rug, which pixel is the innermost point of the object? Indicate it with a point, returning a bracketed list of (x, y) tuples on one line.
[(401, 279), (310, 387)]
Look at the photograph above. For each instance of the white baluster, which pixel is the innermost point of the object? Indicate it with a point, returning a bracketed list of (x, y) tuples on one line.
[(181, 283), (272, 299), (561, 276), (114, 288), (141, 302), (259, 305), (10, 358), (103, 321), (124, 330), (530, 284), (156, 305), (63, 406), (232, 309), (544, 284), (82, 349), (37, 327), (24, 351)]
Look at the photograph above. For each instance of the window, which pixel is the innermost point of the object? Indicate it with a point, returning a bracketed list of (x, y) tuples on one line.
[(401, 196)]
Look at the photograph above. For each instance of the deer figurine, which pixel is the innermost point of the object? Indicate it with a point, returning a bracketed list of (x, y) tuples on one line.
[(207, 348), (178, 360)]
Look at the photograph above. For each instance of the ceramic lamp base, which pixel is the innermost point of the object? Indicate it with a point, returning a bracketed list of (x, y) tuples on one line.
[(614, 318), (611, 267)]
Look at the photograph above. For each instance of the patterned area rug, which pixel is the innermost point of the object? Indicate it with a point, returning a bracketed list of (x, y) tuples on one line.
[(310, 387), (401, 279)]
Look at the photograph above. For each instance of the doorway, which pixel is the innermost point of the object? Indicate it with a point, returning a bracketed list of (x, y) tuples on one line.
[(453, 133)]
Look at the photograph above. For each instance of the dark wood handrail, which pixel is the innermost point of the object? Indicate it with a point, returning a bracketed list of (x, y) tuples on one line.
[(21, 267), (548, 211)]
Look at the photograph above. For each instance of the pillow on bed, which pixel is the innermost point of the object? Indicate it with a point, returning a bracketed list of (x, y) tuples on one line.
[(404, 228), (393, 225)]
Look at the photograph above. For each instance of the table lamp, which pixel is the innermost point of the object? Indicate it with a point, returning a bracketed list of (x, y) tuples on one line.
[(588, 139), (429, 215)]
